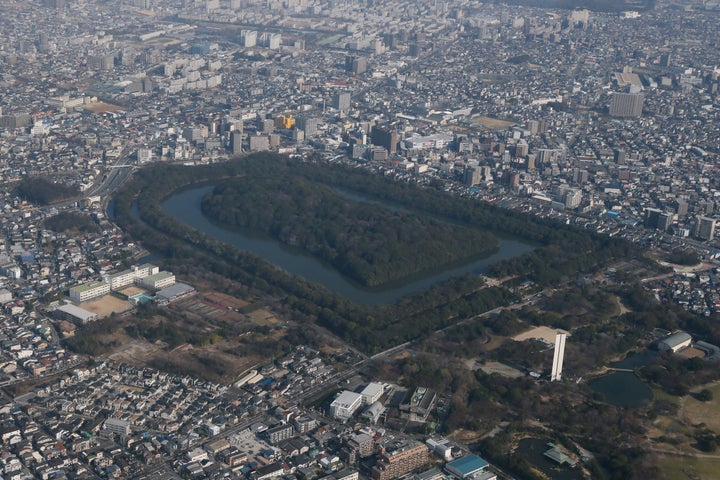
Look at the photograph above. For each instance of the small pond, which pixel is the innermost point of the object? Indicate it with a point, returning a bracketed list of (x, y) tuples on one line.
[(623, 389)]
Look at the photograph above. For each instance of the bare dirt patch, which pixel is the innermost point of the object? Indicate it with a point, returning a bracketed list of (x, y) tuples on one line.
[(691, 352), (225, 300), (492, 123), (623, 308), (107, 305), (263, 317), (545, 334), (131, 290), (136, 351), (102, 107), (502, 369), (465, 436)]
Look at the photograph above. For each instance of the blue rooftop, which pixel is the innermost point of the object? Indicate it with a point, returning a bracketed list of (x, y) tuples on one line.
[(468, 464)]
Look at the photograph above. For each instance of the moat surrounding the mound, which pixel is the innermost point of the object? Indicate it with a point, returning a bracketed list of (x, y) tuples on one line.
[(184, 206)]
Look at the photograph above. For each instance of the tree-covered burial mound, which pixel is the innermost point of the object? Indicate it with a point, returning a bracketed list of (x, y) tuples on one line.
[(44, 191), (369, 243)]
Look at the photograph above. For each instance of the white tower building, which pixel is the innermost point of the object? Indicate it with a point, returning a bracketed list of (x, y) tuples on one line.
[(558, 355)]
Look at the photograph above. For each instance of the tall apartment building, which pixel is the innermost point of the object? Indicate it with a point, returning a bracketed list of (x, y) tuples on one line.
[(248, 38), (236, 142), (341, 101), (400, 460), (656, 218), (705, 228), (626, 104), (271, 40), (570, 197), (19, 120), (277, 434), (471, 175)]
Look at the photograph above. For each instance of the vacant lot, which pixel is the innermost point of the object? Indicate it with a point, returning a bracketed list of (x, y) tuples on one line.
[(221, 362), (225, 300), (207, 310), (214, 362)]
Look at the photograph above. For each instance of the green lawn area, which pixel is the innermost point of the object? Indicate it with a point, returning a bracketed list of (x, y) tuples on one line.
[(680, 468), (329, 40), (660, 394)]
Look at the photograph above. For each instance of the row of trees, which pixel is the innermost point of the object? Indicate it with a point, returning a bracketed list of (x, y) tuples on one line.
[(594, 5)]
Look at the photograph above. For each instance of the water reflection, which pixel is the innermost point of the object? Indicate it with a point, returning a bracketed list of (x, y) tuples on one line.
[(185, 207)]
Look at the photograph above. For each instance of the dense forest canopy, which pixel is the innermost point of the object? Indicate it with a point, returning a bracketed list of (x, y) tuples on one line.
[(43, 191), (71, 223), (371, 244)]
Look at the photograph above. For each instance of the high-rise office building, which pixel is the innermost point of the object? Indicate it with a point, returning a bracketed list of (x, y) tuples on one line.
[(259, 143), (356, 65), (43, 42), (384, 137), (705, 207), (580, 176), (665, 221), (619, 156), (309, 125)]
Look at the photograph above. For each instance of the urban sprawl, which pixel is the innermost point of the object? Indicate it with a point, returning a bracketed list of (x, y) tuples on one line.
[(610, 121)]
